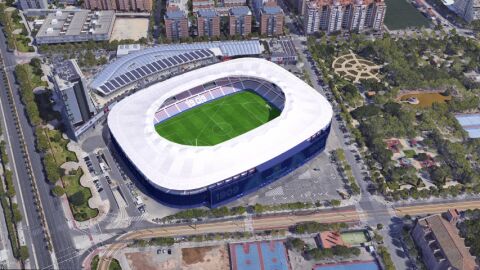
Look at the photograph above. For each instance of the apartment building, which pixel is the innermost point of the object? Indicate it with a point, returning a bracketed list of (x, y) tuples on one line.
[(441, 246), (120, 5), (176, 25), (350, 15), (271, 20), (208, 23), (240, 21)]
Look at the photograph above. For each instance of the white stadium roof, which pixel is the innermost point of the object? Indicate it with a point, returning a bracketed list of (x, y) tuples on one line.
[(172, 166)]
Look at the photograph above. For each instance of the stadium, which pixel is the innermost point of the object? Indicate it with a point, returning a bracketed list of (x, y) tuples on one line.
[(209, 136)]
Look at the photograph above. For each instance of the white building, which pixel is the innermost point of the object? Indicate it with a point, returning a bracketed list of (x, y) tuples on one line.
[(468, 9)]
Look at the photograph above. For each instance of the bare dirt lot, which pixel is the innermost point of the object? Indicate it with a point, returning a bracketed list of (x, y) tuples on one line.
[(129, 28), (205, 258), (150, 261)]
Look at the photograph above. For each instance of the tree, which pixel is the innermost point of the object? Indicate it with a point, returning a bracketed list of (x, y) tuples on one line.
[(335, 203), (58, 191), (24, 253), (78, 198)]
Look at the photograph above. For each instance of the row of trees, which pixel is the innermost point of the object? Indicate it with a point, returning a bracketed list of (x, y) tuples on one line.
[(10, 209)]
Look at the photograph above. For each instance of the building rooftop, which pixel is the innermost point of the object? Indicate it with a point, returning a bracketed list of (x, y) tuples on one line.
[(207, 13), (68, 70), (240, 11), (175, 15), (76, 22), (271, 10), (452, 245), (470, 123), (125, 49), (282, 47)]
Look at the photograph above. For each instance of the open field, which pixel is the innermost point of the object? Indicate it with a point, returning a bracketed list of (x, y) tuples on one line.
[(205, 258), (401, 14), (130, 28), (219, 120)]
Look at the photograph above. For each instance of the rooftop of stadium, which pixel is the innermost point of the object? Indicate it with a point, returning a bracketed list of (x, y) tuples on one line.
[(170, 165)]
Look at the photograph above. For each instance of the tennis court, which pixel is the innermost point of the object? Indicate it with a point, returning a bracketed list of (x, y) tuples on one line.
[(354, 238)]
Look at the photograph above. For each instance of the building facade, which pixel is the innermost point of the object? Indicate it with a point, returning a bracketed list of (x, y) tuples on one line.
[(208, 23), (440, 244), (240, 21), (176, 25), (72, 92), (468, 9), (33, 4), (351, 15), (271, 21), (120, 5)]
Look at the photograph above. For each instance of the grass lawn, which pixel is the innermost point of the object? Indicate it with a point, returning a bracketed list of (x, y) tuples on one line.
[(219, 120), (72, 185), (59, 147), (409, 153), (401, 14), (115, 265), (94, 263)]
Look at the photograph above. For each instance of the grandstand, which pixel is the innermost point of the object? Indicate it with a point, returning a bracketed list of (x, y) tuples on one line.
[(217, 89), (184, 176)]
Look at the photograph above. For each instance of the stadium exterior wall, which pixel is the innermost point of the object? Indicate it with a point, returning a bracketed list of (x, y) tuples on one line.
[(222, 193)]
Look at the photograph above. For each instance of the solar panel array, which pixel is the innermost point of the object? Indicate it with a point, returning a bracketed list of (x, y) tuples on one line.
[(141, 72)]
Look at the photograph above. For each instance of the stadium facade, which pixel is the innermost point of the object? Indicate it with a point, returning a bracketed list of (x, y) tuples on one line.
[(187, 176)]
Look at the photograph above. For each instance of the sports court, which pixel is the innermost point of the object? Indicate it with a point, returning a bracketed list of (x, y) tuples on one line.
[(355, 265), (219, 120), (354, 238), (268, 255)]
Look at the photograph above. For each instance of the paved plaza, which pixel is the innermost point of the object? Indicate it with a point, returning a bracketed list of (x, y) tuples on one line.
[(355, 68)]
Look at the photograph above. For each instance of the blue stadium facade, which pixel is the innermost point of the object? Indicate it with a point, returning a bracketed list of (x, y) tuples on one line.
[(219, 194)]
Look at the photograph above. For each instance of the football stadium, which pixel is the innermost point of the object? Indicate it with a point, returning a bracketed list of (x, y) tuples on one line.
[(209, 136)]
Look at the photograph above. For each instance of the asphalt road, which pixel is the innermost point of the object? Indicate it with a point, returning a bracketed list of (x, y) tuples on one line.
[(61, 235)]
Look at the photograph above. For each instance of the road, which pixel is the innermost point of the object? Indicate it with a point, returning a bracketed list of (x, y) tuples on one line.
[(270, 222), (63, 246)]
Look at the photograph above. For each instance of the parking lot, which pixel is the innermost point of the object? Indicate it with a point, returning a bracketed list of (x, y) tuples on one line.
[(318, 180)]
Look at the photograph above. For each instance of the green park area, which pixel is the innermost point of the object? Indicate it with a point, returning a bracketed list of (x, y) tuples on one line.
[(379, 118), (78, 196), (402, 14)]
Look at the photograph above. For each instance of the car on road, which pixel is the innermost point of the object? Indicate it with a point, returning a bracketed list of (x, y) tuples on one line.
[(108, 179)]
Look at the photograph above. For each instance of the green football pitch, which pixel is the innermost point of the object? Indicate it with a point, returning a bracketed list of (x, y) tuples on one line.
[(219, 120)]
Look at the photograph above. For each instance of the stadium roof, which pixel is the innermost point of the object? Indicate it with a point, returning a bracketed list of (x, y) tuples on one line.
[(147, 56), (172, 166), (139, 72)]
